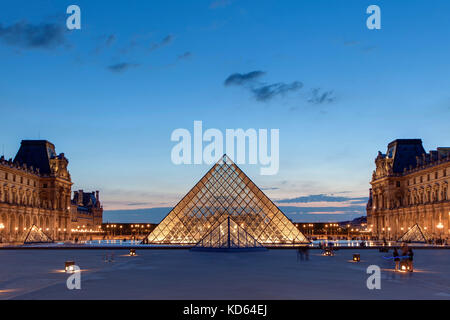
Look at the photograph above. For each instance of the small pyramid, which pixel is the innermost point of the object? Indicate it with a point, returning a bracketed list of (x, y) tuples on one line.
[(228, 236), (225, 191), (35, 235), (415, 234)]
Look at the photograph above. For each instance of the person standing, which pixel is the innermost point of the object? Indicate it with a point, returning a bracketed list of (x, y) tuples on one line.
[(410, 260), (300, 254), (404, 249), (396, 259)]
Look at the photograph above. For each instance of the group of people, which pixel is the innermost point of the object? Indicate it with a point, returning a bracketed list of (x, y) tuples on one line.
[(407, 256), (303, 253)]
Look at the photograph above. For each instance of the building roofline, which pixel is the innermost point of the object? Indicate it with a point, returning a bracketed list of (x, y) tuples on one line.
[(405, 141)]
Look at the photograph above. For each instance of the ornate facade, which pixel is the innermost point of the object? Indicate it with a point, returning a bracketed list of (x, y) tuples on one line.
[(35, 189), (410, 186), (86, 211)]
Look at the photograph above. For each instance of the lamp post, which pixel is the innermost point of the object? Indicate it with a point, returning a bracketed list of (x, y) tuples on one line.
[(440, 226), (2, 227)]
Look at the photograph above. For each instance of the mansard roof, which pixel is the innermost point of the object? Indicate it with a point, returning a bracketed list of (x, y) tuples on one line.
[(404, 152), (36, 153), (89, 199)]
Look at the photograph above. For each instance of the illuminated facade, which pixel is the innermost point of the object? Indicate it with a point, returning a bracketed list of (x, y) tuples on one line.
[(225, 191), (35, 189), (410, 186), (86, 211)]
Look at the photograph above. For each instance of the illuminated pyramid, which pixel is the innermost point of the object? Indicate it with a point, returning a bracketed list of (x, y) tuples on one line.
[(228, 235), (415, 234), (36, 235), (225, 191)]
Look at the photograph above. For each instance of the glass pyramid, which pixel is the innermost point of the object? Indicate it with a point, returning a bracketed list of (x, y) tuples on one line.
[(415, 234), (35, 235), (225, 191), (228, 235)]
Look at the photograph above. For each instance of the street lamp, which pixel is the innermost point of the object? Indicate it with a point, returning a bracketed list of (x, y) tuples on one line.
[(440, 226), (2, 226)]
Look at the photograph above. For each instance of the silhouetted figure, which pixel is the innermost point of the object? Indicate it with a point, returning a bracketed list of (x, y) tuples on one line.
[(300, 254), (404, 249), (396, 259), (410, 259)]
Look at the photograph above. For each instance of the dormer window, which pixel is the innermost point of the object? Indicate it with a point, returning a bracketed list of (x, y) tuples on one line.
[(390, 153)]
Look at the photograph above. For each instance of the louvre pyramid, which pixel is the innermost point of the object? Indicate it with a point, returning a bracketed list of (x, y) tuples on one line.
[(35, 235), (415, 234), (225, 191), (228, 235)]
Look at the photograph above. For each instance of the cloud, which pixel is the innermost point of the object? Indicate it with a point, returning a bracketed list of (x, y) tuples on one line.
[(105, 41), (132, 204), (320, 97), (351, 43), (110, 39), (261, 91), (322, 198), (121, 67), (219, 4), (369, 48), (185, 55), (359, 45), (268, 92), (164, 42), (269, 188), (240, 79), (33, 36), (328, 214)]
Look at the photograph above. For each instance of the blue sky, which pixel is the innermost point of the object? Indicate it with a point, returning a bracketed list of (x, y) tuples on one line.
[(110, 95)]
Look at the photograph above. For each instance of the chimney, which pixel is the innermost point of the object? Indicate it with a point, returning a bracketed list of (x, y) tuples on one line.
[(80, 197), (97, 197)]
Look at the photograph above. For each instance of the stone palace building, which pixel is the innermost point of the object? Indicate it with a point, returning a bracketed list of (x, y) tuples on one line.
[(35, 189), (410, 186)]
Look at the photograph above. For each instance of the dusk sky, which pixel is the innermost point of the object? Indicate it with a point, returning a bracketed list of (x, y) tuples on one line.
[(110, 95)]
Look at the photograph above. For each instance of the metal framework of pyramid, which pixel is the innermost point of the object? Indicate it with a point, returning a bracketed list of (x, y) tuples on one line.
[(228, 235), (225, 191), (35, 235), (415, 234)]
